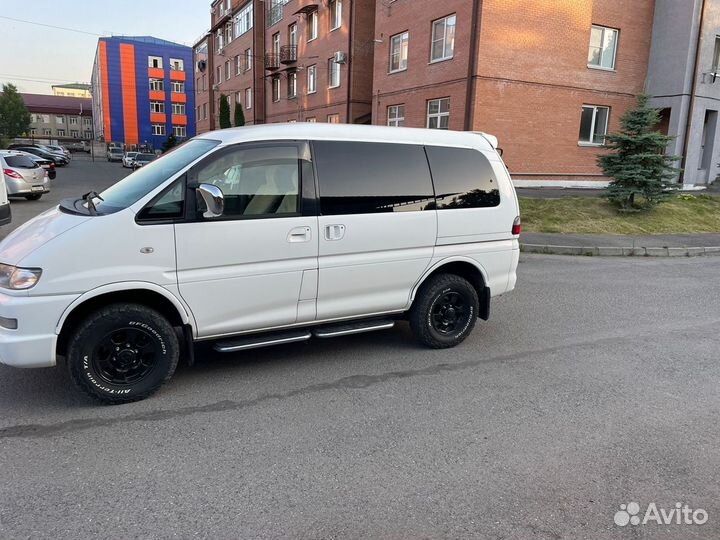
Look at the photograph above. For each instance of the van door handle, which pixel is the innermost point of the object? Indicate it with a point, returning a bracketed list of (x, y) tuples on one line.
[(299, 234), (334, 232)]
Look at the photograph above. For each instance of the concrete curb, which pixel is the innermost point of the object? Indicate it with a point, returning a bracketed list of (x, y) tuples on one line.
[(620, 251)]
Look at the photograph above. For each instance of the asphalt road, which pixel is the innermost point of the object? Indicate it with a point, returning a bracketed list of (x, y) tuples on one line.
[(594, 384)]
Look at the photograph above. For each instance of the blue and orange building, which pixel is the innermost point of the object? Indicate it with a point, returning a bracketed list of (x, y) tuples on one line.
[(142, 92)]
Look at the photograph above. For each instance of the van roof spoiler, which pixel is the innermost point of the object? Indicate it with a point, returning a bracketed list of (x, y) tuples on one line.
[(492, 139)]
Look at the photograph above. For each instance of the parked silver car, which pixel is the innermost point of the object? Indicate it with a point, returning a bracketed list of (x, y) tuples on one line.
[(23, 176)]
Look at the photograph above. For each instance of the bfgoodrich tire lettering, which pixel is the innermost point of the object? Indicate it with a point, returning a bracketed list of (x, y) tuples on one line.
[(122, 353), (444, 312)]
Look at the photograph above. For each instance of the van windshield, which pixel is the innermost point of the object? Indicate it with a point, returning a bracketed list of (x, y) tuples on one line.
[(132, 188)]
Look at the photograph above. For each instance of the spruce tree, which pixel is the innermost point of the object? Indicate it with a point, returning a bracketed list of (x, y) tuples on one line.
[(239, 115), (642, 174), (224, 112)]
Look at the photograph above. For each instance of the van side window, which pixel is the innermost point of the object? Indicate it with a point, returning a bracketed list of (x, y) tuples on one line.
[(463, 178), (259, 181), (367, 178), (170, 204)]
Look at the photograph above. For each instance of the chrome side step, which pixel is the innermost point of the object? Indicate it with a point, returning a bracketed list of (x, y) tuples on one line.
[(352, 328), (243, 344)]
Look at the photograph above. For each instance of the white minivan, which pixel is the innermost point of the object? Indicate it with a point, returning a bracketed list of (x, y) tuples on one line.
[(256, 236)]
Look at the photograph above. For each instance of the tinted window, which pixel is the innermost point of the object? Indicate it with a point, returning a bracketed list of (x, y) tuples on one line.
[(170, 204), (257, 181), (365, 178), (463, 178), (20, 162)]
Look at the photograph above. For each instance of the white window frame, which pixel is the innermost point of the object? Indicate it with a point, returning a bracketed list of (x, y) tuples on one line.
[(157, 106), (293, 34), (438, 114), (394, 119), (177, 64), (311, 119), (332, 117), (177, 87), (179, 131), (238, 65), (60, 120), (243, 21), (275, 95), (334, 77), (292, 85), (157, 85), (604, 30), (595, 109), (401, 40), (312, 79), (152, 59), (218, 74), (158, 129), (60, 132), (248, 98), (312, 25), (47, 132), (87, 121), (75, 133), (248, 59), (228, 70), (178, 108), (335, 14), (73, 121), (434, 38)]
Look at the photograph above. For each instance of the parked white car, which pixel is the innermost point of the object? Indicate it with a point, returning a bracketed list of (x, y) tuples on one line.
[(128, 160), (259, 236), (5, 213), (24, 177)]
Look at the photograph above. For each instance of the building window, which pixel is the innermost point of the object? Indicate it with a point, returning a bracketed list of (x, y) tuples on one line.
[(219, 40), (157, 85), (438, 113), (45, 118), (248, 59), (276, 89), (33, 132), (75, 133), (292, 34), (335, 14), (228, 33), (88, 134), (59, 119), (177, 64), (716, 55), (155, 62), (180, 131), (73, 121), (443, 39), (157, 107), (311, 119), (398, 52), (603, 47), (333, 73), (158, 129), (198, 114), (228, 70), (396, 115), (87, 121), (177, 87), (244, 20), (333, 118), (248, 98), (292, 84), (47, 132), (60, 132), (205, 111), (312, 25), (238, 65), (276, 45), (312, 79), (218, 75), (178, 108), (594, 125)]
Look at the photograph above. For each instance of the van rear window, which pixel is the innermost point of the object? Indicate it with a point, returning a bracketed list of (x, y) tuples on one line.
[(463, 178), (367, 178)]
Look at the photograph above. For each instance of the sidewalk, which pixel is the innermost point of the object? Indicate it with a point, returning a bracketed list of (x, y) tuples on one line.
[(662, 245)]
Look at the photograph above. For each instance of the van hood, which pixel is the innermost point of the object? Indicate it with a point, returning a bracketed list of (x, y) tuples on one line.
[(36, 232)]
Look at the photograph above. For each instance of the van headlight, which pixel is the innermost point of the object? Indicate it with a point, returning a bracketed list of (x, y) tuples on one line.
[(12, 277)]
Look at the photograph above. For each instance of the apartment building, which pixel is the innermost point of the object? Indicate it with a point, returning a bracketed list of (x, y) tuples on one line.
[(59, 118), (684, 80), (203, 70), (550, 78), (141, 91), (72, 90)]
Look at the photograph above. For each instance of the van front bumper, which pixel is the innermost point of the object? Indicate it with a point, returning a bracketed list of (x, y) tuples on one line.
[(33, 343)]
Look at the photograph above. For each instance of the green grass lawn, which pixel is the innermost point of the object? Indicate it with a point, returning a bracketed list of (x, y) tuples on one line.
[(587, 215)]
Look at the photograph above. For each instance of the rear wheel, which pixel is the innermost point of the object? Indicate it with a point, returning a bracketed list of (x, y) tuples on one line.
[(33, 197), (444, 311), (122, 353)]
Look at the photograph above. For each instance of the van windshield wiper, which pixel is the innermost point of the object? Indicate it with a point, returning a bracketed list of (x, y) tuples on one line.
[(88, 197)]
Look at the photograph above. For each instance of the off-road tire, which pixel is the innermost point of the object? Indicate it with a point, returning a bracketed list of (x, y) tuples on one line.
[(424, 308), (94, 331)]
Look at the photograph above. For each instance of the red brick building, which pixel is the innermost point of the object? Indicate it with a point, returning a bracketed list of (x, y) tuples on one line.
[(548, 77)]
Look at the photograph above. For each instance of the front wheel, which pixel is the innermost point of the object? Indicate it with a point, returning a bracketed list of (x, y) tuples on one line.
[(33, 197), (444, 311), (122, 353)]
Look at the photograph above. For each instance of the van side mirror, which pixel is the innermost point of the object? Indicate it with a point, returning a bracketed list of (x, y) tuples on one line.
[(214, 200)]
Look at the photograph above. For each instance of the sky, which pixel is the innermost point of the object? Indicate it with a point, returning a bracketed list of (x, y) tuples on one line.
[(34, 57)]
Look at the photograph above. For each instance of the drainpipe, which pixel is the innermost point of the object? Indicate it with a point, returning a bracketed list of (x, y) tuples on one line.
[(693, 89), (472, 62), (351, 54)]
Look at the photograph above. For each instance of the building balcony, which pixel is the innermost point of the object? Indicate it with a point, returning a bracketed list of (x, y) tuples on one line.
[(272, 61), (288, 54), (274, 14)]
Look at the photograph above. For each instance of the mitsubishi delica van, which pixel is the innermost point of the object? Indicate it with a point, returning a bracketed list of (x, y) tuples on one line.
[(257, 236)]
